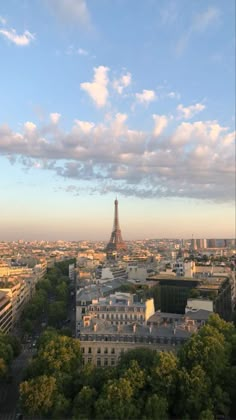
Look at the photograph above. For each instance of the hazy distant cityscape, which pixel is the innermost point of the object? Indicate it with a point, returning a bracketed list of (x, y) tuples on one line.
[(111, 298)]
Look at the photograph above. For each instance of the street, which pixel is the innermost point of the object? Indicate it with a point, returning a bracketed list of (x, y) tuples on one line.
[(9, 392)]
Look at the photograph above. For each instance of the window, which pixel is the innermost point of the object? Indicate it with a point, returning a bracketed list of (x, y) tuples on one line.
[(82, 349), (89, 350), (105, 350), (113, 351), (105, 362), (89, 360), (99, 350), (112, 362), (98, 362)]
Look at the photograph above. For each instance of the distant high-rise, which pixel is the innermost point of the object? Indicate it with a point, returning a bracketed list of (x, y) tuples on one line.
[(116, 242), (201, 243), (211, 243)]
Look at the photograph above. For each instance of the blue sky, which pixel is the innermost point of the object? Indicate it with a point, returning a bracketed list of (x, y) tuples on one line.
[(117, 98)]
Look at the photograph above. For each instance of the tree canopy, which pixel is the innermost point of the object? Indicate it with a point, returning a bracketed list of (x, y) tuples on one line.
[(197, 383)]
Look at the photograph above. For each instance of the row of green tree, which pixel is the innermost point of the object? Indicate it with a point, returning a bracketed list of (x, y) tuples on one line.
[(10, 348), (197, 383), (50, 300)]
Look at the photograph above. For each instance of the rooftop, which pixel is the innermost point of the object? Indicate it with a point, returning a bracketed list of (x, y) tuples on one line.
[(197, 315), (117, 299), (94, 291), (96, 330)]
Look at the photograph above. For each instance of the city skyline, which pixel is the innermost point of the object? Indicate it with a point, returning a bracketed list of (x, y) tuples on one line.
[(134, 100)]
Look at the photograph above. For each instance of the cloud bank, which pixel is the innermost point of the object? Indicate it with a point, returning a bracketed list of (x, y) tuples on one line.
[(195, 159)]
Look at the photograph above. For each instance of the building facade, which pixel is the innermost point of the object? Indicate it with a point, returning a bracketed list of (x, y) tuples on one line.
[(6, 318), (102, 343)]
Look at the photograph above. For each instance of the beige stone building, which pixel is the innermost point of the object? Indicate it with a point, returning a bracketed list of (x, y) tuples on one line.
[(5, 312), (103, 343), (18, 291), (117, 323)]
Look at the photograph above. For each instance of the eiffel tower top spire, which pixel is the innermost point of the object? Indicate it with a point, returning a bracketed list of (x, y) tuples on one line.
[(116, 242)]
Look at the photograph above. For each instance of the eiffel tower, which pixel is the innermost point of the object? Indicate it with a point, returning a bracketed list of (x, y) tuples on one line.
[(116, 242)]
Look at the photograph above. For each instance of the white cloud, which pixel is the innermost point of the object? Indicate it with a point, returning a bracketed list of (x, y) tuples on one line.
[(29, 127), (121, 83), (81, 51), (146, 96), (97, 89), (189, 111), (199, 131), (55, 117), (3, 21), (21, 40), (72, 11), (85, 126), (173, 95), (72, 50), (161, 122), (195, 160)]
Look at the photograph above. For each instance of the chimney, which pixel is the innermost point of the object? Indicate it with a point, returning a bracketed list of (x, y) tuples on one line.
[(134, 328)]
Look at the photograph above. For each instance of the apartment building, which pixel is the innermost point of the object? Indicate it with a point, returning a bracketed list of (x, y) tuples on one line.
[(19, 293), (8, 269), (103, 338), (86, 295), (111, 271), (121, 308), (5, 312)]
